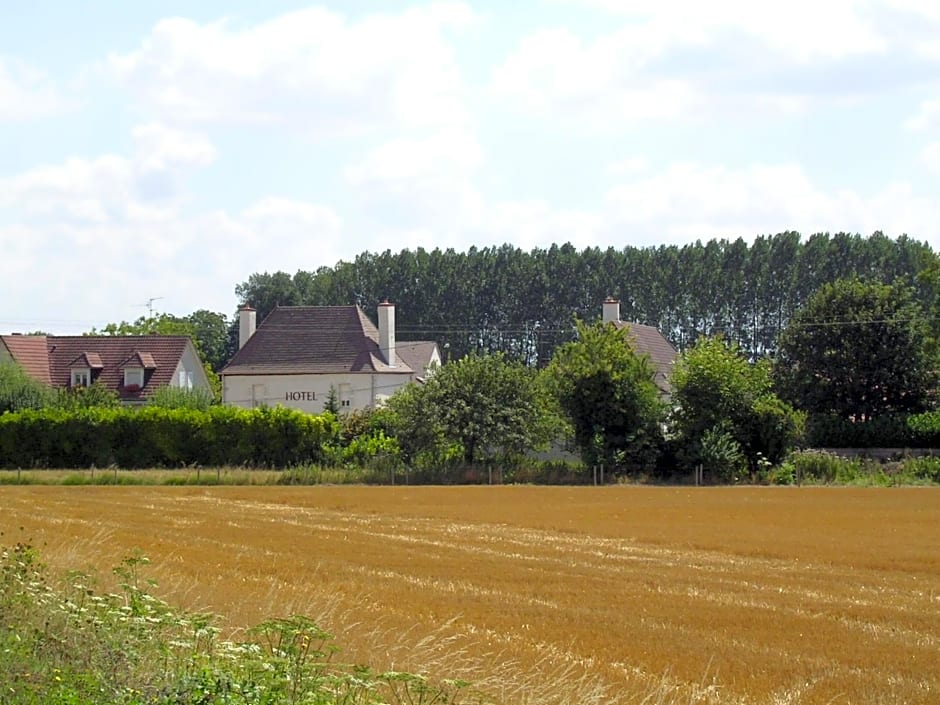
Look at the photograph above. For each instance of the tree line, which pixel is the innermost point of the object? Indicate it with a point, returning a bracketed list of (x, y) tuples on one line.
[(523, 304)]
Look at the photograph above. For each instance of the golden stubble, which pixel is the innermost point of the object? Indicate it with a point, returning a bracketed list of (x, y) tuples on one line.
[(541, 595)]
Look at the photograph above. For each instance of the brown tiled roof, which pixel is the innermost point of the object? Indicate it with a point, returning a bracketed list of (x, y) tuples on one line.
[(648, 340), (87, 359), (140, 359), (313, 340), (31, 353), (416, 353), (56, 356)]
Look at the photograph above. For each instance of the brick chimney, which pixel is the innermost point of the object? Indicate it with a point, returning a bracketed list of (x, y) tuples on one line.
[(611, 310), (387, 332), (247, 318)]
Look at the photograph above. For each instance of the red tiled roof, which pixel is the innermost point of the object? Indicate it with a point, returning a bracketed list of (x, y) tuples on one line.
[(31, 353), (51, 358), (313, 340), (648, 340)]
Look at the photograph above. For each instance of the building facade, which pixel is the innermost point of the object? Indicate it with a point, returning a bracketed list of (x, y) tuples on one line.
[(300, 353)]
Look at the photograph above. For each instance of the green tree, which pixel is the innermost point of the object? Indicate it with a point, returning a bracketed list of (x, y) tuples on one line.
[(410, 417), (488, 405), (724, 401), (606, 392), (210, 331), (858, 350), (161, 324), (332, 402)]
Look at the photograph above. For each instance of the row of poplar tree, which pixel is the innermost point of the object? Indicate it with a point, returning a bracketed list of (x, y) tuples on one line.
[(523, 304)]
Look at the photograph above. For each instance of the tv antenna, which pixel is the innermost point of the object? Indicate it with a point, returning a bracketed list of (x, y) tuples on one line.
[(149, 305)]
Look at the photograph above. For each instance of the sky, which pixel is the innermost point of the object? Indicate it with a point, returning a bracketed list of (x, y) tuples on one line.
[(162, 152)]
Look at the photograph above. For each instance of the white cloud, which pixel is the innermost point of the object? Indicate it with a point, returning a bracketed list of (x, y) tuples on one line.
[(311, 69), (630, 165), (926, 117), (421, 181), (683, 59), (91, 241), (537, 223), (113, 188), (553, 72), (689, 201), (930, 157), (802, 29), (26, 93), (160, 148), (83, 190)]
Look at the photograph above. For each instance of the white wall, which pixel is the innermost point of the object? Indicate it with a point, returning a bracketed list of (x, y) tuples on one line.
[(309, 392)]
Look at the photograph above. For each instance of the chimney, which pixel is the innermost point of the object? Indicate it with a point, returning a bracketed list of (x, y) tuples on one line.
[(611, 310), (247, 318), (387, 332)]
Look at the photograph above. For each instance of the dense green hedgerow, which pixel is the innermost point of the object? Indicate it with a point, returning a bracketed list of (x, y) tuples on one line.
[(159, 437)]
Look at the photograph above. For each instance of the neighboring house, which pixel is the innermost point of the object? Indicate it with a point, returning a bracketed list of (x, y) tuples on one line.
[(647, 340), (299, 353), (133, 366)]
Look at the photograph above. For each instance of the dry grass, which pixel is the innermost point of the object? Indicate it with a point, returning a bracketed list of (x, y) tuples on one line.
[(551, 595)]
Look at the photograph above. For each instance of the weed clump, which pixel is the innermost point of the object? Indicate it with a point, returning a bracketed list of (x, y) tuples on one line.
[(71, 643)]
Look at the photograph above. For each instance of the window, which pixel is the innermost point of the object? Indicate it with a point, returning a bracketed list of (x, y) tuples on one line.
[(345, 394), (134, 376), (81, 377), (186, 379), (257, 395)]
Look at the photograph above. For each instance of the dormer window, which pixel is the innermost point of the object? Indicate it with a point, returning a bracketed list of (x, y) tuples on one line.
[(81, 377), (137, 369), (134, 376)]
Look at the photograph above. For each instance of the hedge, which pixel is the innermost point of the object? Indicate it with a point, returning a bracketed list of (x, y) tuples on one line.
[(159, 437), (888, 431)]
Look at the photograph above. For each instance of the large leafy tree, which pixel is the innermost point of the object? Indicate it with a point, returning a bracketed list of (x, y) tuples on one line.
[(489, 406), (606, 392), (721, 397), (857, 350)]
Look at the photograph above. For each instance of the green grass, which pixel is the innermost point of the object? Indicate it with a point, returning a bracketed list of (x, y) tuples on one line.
[(67, 642), (801, 467)]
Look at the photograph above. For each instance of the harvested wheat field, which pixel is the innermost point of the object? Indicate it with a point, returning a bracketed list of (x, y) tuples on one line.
[(550, 595)]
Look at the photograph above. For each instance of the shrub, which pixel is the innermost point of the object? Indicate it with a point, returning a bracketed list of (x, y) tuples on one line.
[(924, 468), (925, 428), (180, 398), (19, 391), (97, 395), (721, 454), (813, 466)]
